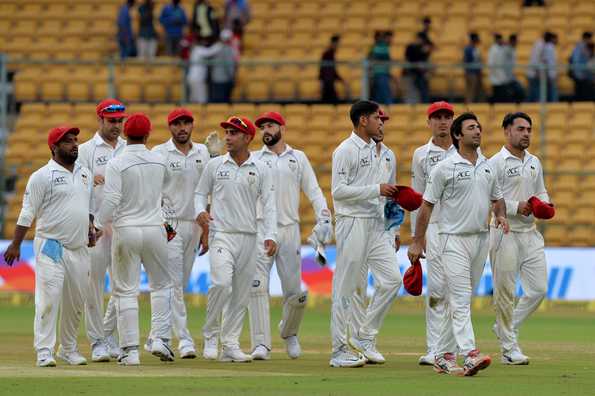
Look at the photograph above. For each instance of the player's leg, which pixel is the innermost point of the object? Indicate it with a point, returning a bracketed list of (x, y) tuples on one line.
[(383, 265), (126, 247), (76, 280), (154, 258), (221, 256), (289, 268), (258, 308), (352, 237), (110, 317), (49, 279), (233, 314)]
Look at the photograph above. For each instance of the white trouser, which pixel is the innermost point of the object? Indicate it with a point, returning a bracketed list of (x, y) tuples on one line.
[(130, 247), (362, 243), (437, 314), (463, 260), (101, 261), (288, 260), (232, 265), (59, 286), (510, 255)]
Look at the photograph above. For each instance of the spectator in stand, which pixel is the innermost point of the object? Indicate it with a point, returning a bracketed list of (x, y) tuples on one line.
[(198, 70), (328, 74), (516, 91), (497, 58), (173, 19), (530, 3), (543, 54), (205, 23), (415, 79), (125, 34), (147, 36), (236, 41), (427, 25), (223, 70), (236, 10), (578, 71), (473, 66), (381, 76)]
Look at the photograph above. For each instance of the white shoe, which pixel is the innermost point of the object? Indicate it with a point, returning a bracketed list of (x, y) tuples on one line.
[(475, 361), (447, 364), (515, 358), (160, 349), (345, 357), (211, 348), (99, 352), (188, 352), (112, 347), (261, 353), (45, 358), (234, 354), (73, 358), (129, 358), (427, 360), (292, 345), (368, 349)]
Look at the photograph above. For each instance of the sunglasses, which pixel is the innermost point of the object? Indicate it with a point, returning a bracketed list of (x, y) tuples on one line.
[(238, 122), (113, 108)]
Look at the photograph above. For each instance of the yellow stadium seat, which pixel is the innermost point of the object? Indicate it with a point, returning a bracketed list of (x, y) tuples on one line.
[(257, 90), (26, 91)]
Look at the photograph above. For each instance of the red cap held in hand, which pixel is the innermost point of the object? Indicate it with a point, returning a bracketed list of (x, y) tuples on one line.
[(383, 115), (58, 133), (413, 279), (408, 198), (540, 209)]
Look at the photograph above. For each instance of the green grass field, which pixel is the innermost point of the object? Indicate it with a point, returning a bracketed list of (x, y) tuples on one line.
[(560, 342)]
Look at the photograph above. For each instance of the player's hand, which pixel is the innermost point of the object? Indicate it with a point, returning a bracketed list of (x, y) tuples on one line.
[(270, 247), (92, 236), (12, 253), (524, 208), (323, 231), (388, 190), (98, 234), (214, 144), (415, 251), (98, 180), (204, 241), (502, 221), (203, 219), (397, 242)]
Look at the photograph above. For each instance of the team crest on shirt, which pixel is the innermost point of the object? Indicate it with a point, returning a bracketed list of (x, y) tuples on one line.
[(251, 177), (101, 160), (387, 164), (60, 180), (85, 179), (292, 165)]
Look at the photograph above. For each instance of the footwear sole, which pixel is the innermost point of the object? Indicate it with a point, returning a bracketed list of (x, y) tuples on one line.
[(458, 373), (512, 363), (191, 355), (128, 364), (480, 366), (424, 362), (261, 358), (50, 364), (360, 363), (72, 364), (230, 360), (164, 357), (355, 345), (101, 359)]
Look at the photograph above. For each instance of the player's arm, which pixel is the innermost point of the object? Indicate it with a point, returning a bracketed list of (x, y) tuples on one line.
[(540, 190), (201, 195), (499, 205), (323, 229), (269, 209), (418, 183), (112, 194)]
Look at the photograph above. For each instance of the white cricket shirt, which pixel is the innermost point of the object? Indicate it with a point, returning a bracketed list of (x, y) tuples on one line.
[(184, 172), (425, 158), (134, 181), (94, 154), (60, 201), (291, 171), (235, 191), (520, 179), (465, 193)]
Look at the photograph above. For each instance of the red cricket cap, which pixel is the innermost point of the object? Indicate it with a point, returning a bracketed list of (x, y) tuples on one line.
[(540, 209), (177, 113), (440, 106), (111, 108), (413, 279), (408, 198), (137, 125), (269, 116), (57, 133), (383, 115), (242, 124)]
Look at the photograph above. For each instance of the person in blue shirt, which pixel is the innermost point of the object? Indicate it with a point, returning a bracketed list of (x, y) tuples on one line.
[(579, 72), (173, 19), (126, 40), (472, 61)]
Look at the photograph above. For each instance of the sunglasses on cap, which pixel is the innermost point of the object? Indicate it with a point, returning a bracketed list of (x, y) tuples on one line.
[(113, 108), (237, 121)]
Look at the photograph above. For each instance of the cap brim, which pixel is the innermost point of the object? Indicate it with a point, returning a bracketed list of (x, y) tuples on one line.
[(262, 120), (444, 109), (181, 116), (229, 125), (115, 115)]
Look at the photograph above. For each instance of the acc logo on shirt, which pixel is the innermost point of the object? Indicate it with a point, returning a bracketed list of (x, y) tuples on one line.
[(513, 172), (364, 162), (464, 175), (60, 180), (101, 161), (222, 175), (435, 159), (175, 166)]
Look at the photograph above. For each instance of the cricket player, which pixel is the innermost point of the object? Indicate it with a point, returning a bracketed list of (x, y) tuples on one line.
[(185, 162), (58, 196), (425, 158), (134, 182), (362, 240), (235, 182), (95, 155), (519, 252), (465, 186), (292, 172)]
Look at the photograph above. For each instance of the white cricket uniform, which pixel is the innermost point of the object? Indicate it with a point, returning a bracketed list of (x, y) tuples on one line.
[(465, 193), (234, 192), (425, 158), (362, 240), (95, 154), (292, 172), (60, 201), (134, 181), (184, 172), (521, 250)]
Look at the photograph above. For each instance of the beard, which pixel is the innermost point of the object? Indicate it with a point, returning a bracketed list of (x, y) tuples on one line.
[(271, 140), (182, 140), (68, 157)]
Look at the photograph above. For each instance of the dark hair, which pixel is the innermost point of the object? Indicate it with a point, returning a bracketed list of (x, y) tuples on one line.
[(548, 37), (513, 37), (497, 36), (335, 38), (457, 126), (510, 117), (474, 37), (587, 35), (427, 20), (362, 108)]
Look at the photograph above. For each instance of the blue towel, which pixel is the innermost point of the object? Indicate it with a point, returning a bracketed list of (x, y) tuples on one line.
[(53, 249), (394, 215)]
